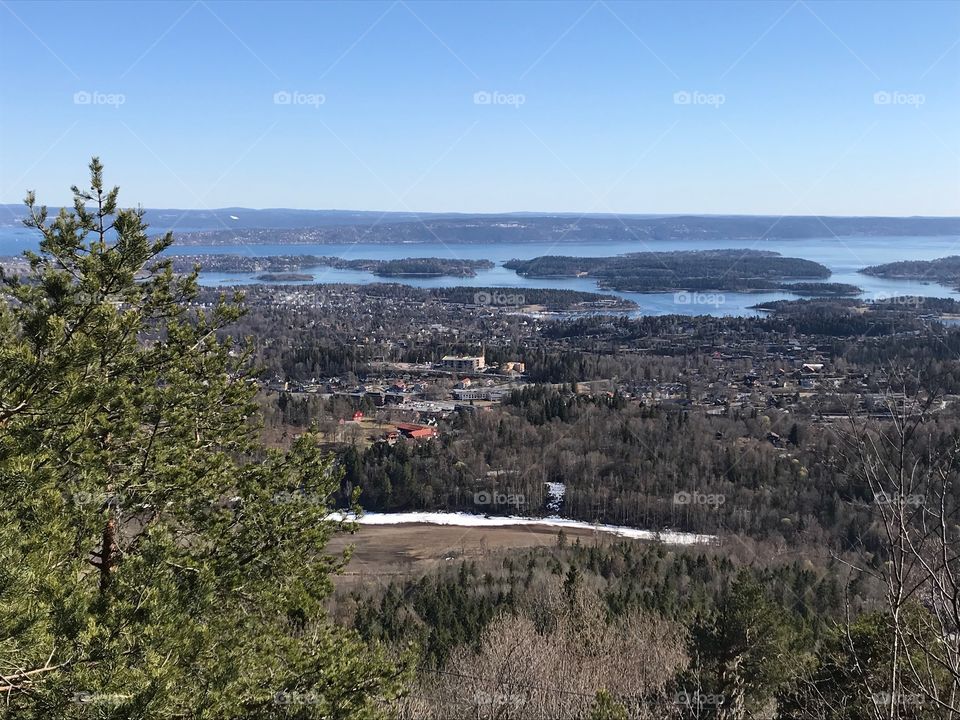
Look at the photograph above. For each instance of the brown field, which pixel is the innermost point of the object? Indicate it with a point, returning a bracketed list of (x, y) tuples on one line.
[(389, 552), (331, 434)]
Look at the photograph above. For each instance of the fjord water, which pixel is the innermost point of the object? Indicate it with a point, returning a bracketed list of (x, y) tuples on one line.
[(844, 256)]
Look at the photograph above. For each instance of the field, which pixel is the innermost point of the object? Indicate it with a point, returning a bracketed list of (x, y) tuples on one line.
[(386, 552)]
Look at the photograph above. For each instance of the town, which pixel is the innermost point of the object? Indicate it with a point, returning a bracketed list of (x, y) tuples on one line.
[(393, 359)]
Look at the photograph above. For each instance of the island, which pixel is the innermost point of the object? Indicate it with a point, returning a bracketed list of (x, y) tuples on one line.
[(822, 289), (421, 267), (285, 277), (945, 270), (744, 270), (552, 299)]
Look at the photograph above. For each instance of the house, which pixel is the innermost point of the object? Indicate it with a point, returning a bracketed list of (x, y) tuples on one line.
[(416, 432)]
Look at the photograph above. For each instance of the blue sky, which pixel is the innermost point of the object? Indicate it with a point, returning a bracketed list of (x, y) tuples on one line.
[(759, 107)]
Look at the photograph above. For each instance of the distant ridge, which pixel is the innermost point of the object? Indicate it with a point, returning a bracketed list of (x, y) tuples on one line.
[(282, 226), (555, 229)]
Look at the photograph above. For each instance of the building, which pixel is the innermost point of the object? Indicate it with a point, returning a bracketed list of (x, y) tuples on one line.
[(463, 364), (469, 392), (416, 432)]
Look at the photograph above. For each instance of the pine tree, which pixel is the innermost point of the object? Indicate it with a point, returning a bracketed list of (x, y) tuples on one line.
[(605, 707), (147, 569), (743, 649)]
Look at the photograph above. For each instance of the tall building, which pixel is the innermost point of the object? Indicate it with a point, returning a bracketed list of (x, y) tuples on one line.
[(463, 364)]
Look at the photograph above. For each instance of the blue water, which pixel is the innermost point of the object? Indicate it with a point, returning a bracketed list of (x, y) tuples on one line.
[(844, 256)]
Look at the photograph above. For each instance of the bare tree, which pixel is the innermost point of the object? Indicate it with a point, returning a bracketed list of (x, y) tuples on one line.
[(550, 660), (904, 470)]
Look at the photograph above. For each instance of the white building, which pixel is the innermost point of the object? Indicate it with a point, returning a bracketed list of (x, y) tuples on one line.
[(463, 364)]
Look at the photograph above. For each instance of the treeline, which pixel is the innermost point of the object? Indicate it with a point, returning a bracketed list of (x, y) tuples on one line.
[(453, 607)]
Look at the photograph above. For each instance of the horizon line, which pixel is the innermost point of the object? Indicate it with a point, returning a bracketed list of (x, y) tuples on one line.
[(526, 213)]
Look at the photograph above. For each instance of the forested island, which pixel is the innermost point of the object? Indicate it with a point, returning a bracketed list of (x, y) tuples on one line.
[(945, 270), (406, 267), (732, 270), (822, 289), (553, 299), (421, 267), (285, 277)]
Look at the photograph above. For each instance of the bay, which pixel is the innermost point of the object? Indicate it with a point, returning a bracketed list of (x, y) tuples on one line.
[(843, 255)]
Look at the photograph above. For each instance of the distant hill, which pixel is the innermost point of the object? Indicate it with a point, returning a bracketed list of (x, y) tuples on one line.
[(162, 219), (555, 228), (282, 225)]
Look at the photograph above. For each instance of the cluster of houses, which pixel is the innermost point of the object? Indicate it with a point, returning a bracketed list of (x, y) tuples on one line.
[(477, 382)]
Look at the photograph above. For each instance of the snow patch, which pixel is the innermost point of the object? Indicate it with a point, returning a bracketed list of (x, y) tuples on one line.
[(462, 519), (555, 493)]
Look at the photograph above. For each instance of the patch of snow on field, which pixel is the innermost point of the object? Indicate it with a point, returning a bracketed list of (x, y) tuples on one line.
[(462, 519)]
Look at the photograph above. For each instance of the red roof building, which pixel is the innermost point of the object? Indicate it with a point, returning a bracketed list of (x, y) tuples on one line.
[(416, 432)]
